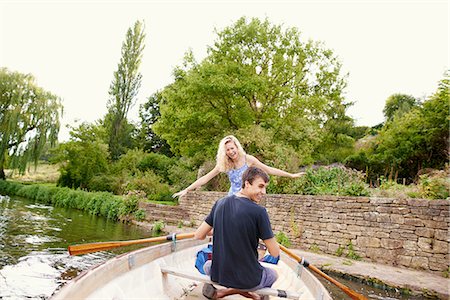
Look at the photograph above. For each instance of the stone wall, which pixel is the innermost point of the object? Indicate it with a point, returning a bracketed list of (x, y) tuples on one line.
[(411, 233)]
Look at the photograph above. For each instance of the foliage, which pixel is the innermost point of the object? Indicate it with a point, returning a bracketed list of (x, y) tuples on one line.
[(158, 227), (351, 253), (82, 158), (412, 141), (158, 163), (29, 119), (150, 184), (123, 90), (149, 113), (256, 75), (397, 105), (98, 203), (323, 181), (435, 185), (283, 239), (339, 251), (139, 215)]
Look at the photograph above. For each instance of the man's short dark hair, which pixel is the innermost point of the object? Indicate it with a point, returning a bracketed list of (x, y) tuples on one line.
[(251, 173)]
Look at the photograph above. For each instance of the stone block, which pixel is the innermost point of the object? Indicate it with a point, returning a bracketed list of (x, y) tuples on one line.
[(368, 242), (440, 247), (410, 245), (413, 222), (398, 219), (418, 202), (425, 244), (419, 263), (404, 260), (391, 244), (425, 232), (383, 218), (442, 235)]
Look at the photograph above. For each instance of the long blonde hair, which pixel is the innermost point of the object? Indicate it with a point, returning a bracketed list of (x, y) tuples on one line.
[(222, 160)]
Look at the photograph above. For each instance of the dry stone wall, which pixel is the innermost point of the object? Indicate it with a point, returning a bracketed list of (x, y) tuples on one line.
[(412, 233)]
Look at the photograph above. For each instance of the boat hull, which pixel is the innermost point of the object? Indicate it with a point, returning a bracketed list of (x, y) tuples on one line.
[(137, 275)]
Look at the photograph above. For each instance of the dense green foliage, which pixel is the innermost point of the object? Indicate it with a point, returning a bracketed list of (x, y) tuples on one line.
[(412, 141), (123, 91), (323, 181), (29, 119), (100, 203), (256, 77)]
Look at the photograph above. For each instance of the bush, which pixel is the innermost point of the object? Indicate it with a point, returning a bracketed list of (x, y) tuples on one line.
[(338, 181), (283, 239), (435, 185), (98, 203), (149, 183)]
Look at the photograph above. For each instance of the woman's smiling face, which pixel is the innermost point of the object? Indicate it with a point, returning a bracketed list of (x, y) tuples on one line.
[(231, 150)]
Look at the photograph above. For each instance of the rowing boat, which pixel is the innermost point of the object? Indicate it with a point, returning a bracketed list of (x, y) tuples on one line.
[(166, 271)]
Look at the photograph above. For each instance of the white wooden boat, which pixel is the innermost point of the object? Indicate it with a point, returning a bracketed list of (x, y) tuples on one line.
[(166, 271)]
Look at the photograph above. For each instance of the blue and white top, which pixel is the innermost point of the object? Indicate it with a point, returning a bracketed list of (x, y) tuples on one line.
[(235, 176)]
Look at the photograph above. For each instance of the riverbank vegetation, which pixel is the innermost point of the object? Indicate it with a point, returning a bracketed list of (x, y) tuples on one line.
[(283, 98)]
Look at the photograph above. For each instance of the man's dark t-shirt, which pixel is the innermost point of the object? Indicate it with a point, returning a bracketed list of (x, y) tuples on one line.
[(238, 224)]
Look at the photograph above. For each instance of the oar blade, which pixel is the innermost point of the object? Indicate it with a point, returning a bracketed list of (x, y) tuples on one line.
[(101, 246)]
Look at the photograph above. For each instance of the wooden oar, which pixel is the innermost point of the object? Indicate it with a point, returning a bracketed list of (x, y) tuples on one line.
[(345, 289), (100, 246)]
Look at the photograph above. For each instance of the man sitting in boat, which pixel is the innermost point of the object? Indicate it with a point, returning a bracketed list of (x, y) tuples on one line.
[(239, 222)]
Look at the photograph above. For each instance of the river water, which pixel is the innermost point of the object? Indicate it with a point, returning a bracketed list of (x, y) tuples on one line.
[(34, 261)]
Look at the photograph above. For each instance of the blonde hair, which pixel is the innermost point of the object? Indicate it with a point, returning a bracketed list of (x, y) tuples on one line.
[(222, 160)]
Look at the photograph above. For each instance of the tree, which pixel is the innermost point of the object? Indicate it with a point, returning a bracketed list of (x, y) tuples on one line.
[(415, 140), (29, 118), (124, 89), (149, 113), (83, 157), (398, 105), (255, 74)]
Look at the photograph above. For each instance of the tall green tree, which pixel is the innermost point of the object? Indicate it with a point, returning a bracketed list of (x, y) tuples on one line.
[(29, 118), (124, 89), (398, 105), (255, 74)]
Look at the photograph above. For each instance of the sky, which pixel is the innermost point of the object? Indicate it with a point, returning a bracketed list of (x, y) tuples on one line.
[(72, 48)]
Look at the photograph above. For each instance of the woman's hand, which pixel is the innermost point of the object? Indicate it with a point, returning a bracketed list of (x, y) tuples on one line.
[(297, 175), (180, 193)]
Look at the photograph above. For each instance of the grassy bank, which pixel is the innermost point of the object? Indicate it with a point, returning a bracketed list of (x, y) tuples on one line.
[(96, 203)]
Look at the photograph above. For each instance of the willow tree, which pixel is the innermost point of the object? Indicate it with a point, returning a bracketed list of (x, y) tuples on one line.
[(124, 89), (29, 119), (256, 76)]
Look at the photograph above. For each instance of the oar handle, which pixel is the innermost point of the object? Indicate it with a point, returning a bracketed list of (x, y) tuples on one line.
[(354, 295), (100, 246)]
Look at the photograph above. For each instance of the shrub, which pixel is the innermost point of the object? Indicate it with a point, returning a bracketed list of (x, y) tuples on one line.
[(323, 181), (283, 239)]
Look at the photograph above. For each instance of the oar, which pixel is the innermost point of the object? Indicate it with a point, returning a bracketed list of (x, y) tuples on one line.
[(100, 246), (348, 291)]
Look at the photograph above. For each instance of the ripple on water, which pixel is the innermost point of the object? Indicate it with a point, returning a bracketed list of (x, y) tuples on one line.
[(39, 274)]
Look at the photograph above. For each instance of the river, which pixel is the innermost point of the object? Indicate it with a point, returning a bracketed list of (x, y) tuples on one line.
[(34, 261)]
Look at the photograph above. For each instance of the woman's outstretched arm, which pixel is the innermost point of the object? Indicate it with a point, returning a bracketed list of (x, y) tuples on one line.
[(199, 182), (253, 161)]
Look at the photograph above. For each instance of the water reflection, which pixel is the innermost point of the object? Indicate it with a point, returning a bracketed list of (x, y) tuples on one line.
[(34, 261)]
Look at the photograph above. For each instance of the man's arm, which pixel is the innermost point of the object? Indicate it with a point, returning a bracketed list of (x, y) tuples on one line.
[(272, 247), (203, 230)]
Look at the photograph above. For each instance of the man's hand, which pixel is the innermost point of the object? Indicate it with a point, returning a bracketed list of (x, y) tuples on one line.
[(270, 259)]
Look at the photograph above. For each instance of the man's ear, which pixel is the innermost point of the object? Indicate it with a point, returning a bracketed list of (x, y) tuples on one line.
[(246, 184)]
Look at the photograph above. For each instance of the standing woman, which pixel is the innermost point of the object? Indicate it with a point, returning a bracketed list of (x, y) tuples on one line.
[(232, 159)]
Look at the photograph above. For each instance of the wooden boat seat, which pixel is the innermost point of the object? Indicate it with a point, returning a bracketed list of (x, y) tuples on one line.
[(196, 276)]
